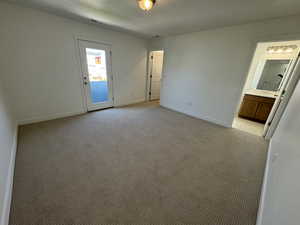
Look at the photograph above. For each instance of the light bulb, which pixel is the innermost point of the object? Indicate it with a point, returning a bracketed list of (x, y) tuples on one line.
[(146, 4), (271, 50)]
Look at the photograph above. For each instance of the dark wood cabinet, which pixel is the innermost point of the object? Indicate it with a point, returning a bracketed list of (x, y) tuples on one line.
[(256, 108)]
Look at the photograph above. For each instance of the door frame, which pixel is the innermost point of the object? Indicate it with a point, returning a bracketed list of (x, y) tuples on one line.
[(149, 69), (77, 39), (282, 101)]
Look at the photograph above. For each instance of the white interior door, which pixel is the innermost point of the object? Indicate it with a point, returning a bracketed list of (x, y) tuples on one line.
[(284, 94), (97, 74), (157, 58)]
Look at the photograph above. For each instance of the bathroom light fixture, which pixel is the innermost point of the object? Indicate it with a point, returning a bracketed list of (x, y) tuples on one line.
[(282, 49), (146, 5)]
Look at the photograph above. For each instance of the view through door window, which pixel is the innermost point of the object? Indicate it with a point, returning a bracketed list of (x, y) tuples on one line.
[(96, 60)]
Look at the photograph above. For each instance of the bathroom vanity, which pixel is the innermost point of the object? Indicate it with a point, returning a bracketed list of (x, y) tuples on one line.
[(266, 84), (256, 107)]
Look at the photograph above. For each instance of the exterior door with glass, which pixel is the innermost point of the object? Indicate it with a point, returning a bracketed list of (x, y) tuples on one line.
[(97, 74)]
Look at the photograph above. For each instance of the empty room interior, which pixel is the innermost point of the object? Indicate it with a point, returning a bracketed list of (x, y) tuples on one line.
[(145, 112)]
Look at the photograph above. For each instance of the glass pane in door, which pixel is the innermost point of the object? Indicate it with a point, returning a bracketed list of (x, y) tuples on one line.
[(96, 60)]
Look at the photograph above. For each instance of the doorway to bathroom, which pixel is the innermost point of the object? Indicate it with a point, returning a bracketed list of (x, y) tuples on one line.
[(272, 76)]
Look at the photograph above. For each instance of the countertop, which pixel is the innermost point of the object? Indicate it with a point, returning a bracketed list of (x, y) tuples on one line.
[(262, 93)]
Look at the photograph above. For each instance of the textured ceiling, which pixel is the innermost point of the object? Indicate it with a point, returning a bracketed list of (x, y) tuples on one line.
[(169, 16)]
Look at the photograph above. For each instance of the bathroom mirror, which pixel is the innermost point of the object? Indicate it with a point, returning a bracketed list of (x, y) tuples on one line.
[(272, 74)]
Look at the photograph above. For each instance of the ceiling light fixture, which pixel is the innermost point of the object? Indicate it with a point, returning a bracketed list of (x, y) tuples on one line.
[(146, 5)]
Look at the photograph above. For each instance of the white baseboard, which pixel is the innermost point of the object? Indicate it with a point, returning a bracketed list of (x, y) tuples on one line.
[(67, 114), (130, 103), (9, 182), (49, 117), (208, 119)]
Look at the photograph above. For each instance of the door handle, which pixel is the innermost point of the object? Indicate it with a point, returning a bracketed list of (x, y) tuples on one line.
[(85, 82)]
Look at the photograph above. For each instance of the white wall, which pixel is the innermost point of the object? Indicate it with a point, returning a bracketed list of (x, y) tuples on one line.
[(39, 59), (8, 132), (204, 72), (282, 201)]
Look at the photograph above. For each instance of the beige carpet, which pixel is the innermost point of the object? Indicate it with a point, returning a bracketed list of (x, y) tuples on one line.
[(137, 165)]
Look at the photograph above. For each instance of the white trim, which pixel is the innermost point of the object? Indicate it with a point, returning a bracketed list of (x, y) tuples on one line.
[(49, 117), (149, 69), (68, 114), (9, 182), (141, 100), (79, 68), (92, 39), (147, 74), (205, 118), (290, 86), (263, 194)]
